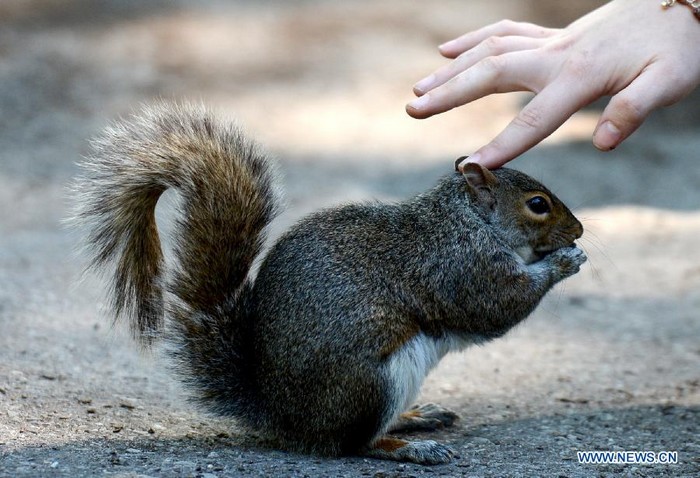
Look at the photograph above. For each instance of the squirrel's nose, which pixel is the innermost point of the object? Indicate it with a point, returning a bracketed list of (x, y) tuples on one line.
[(577, 229)]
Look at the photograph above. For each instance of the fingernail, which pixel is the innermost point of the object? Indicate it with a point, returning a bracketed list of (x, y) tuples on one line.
[(424, 85), (447, 44), (474, 158), (606, 136), (419, 103)]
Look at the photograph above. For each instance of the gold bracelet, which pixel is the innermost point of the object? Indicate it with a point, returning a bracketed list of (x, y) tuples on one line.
[(692, 4)]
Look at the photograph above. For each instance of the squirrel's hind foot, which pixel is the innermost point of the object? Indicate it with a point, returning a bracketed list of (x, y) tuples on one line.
[(426, 452), (425, 417)]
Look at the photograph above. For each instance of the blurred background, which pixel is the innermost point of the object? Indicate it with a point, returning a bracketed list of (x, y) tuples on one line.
[(322, 85), (314, 79), (317, 82)]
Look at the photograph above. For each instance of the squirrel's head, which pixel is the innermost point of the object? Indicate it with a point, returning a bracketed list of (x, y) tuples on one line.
[(532, 220)]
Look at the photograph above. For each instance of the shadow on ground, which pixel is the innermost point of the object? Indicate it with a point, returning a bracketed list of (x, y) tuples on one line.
[(526, 447)]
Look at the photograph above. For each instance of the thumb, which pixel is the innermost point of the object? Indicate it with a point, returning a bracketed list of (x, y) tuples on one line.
[(628, 109)]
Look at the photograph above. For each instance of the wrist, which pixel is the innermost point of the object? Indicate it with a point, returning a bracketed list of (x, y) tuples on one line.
[(676, 23), (692, 5)]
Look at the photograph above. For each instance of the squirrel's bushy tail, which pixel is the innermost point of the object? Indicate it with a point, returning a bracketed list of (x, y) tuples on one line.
[(227, 200)]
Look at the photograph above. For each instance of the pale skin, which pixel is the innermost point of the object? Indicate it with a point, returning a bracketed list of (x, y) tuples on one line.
[(642, 55)]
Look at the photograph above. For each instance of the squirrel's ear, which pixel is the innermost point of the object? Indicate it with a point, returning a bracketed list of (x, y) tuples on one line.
[(480, 183)]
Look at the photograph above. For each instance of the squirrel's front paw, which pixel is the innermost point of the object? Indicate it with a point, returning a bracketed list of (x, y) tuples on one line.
[(566, 261)]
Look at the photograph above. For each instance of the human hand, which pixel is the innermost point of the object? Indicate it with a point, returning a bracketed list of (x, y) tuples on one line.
[(642, 55)]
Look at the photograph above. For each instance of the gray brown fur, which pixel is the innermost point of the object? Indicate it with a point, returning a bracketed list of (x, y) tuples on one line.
[(301, 353)]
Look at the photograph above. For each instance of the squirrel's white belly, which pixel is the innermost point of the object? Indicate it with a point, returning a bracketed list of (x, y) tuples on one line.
[(409, 365)]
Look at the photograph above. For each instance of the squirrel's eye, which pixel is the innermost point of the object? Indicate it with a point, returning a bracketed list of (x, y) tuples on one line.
[(538, 205)]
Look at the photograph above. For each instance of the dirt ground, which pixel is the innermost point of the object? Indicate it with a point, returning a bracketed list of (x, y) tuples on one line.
[(609, 361)]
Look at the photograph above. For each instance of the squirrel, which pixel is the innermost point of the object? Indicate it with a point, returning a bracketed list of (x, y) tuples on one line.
[(326, 348)]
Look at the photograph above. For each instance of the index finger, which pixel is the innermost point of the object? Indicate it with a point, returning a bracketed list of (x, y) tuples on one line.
[(543, 115)]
